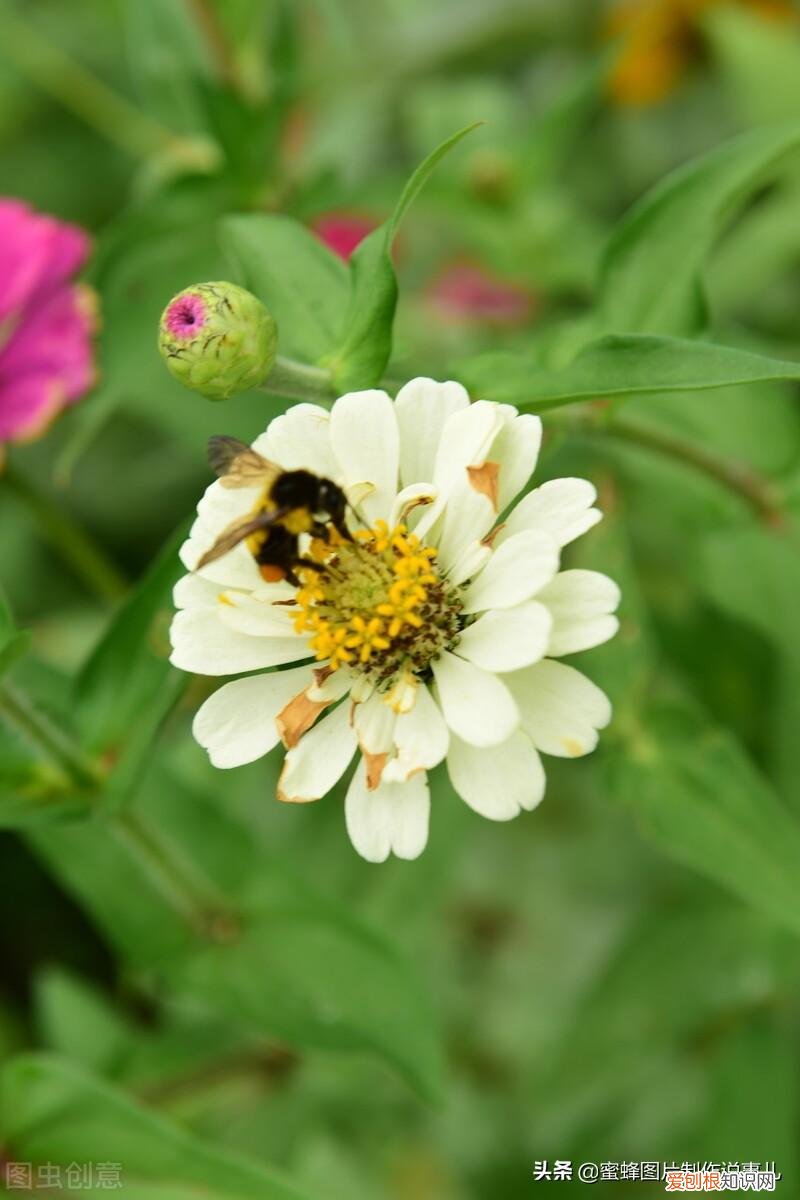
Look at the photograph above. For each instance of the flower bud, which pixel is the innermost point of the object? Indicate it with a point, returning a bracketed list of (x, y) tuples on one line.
[(218, 339)]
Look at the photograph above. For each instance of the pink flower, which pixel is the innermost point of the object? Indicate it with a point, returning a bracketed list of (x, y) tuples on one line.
[(342, 232), (46, 320), (466, 292)]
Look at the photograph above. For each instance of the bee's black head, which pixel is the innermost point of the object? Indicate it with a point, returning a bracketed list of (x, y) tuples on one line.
[(330, 498)]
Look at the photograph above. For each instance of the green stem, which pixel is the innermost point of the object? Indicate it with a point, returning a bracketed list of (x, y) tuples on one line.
[(298, 381), (90, 99), (203, 908), (73, 545), (21, 714), (208, 22), (761, 494)]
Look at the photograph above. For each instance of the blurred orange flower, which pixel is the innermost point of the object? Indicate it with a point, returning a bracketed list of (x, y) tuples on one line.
[(659, 39)]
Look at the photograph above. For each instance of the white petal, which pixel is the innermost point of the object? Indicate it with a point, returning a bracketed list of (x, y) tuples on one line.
[(237, 724), (374, 722), (191, 591), (474, 558), (366, 445), (464, 442), (469, 515), (422, 407), (236, 569), (581, 603), (247, 614), (516, 449), (412, 500), (517, 570), (320, 758), (392, 817), (476, 705), (300, 438), (421, 738), (561, 709), (561, 507), (507, 639), (500, 781), (203, 645)]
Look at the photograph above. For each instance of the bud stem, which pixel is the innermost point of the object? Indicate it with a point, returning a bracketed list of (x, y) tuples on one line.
[(297, 381)]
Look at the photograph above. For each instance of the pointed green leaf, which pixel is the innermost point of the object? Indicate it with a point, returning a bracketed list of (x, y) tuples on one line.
[(367, 341), (52, 1112), (633, 365), (650, 276)]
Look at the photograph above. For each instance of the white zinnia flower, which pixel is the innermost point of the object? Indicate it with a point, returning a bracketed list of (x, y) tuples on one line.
[(438, 644)]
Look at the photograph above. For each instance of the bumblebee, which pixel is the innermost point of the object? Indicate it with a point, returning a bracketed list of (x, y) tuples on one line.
[(290, 503)]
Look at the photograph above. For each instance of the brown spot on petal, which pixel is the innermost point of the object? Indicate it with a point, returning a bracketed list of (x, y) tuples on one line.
[(484, 480), (297, 718), (321, 674), (375, 764), (416, 502), (492, 534)]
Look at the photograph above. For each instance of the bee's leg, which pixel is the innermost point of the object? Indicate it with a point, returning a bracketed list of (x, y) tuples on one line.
[(307, 564)]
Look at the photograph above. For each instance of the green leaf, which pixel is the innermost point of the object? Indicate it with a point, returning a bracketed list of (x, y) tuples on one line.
[(752, 1094), (306, 971), (764, 596), (366, 344), (650, 275), (750, 50), (167, 61), (76, 1021), (220, 920), (301, 281), (632, 365), (13, 642), (701, 799), (54, 1112), (127, 683)]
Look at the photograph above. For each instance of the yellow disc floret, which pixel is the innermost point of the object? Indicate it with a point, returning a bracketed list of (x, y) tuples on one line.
[(377, 604)]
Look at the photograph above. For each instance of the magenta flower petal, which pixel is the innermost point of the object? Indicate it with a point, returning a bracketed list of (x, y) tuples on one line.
[(466, 292), (46, 323), (342, 232)]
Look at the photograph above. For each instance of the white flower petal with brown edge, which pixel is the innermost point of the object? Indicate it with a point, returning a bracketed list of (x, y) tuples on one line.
[(561, 507), (366, 445), (320, 758), (246, 614), (392, 818), (517, 570), (422, 407), (464, 442), (507, 639), (410, 501), (469, 515), (561, 709), (421, 738), (499, 782), (581, 603), (516, 449), (476, 705), (300, 439), (237, 724), (203, 645), (374, 722)]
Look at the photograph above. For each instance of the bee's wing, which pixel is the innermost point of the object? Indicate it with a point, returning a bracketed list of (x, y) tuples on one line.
[(236, 532), (238, 465)]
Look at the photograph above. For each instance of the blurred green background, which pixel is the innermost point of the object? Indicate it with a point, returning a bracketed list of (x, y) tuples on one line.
[(214, 990)]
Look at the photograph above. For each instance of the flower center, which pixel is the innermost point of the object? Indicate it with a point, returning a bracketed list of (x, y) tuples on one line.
[(185, 316), (378, 605)]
